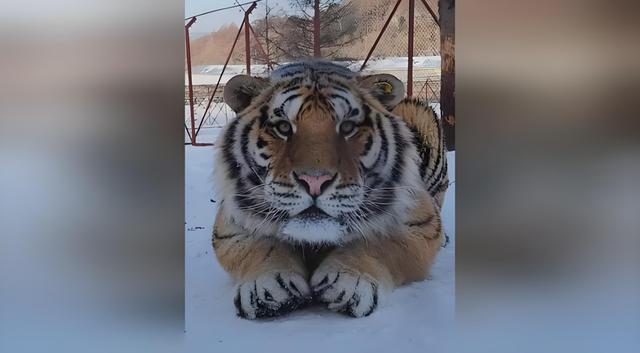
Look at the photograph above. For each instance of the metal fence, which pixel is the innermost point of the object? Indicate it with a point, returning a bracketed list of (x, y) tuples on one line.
[(406, 44)]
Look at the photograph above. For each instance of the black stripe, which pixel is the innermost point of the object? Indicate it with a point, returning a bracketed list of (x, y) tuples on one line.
[(398, 166), (280, 183), (291, 73), (245, 202), (293, 82), (367, 146), (438, 179), (238, 303), (354, 301), (294, 287), (225, 236), (244, 145), (253, 294), (324, 280), (281, 108), (374, 305), (420, 223), (261, 143), (438, 161), (286, 195), (343, 186), (318, 291), (290, 89), (344, 99), (384, 144), (374, 179), (424, 151), (227, 150), (264, 117), (338, 88), (338, 83), (366, 120), (283, 285), (342, 197)]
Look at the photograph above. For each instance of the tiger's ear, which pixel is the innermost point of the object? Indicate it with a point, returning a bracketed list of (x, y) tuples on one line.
[(242, 89), (384, 87)]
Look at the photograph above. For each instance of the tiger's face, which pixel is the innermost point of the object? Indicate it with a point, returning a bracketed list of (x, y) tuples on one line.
[(315, 156)]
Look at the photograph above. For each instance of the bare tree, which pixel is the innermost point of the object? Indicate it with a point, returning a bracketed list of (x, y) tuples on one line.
[(293, 35), (263, 28)]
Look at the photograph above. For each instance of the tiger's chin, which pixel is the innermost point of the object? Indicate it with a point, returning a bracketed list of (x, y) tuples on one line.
[(314, 227)]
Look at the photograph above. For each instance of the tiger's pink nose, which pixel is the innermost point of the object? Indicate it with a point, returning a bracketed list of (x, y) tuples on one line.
[(314, 183)]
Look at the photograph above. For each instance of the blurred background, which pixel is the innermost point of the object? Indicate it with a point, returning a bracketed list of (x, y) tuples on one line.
[(548, 163), (92, 109), (91, 176)]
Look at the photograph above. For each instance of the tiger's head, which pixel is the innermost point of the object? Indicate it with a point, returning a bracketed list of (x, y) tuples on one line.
[(314, 154)]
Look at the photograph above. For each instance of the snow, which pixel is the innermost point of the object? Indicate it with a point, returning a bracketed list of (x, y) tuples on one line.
[(415, 318), (399, 62), (423, 66)]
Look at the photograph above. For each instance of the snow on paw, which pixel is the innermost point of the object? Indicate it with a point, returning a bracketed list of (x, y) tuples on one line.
[(271, 294), (346, 292)]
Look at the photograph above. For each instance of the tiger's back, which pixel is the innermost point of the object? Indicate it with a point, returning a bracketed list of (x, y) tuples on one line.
[(429, 141)]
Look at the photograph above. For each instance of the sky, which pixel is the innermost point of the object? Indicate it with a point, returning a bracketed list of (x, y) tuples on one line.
[(215, 20)]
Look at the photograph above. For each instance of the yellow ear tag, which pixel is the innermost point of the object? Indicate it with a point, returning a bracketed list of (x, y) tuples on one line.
[(386, 87)]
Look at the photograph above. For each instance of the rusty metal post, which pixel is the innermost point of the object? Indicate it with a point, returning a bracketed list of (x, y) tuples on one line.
[(431, 12), (412, 4), (190, 77), (247, 37), (384, 28), (247, 42), (316, 29), (448, 71)]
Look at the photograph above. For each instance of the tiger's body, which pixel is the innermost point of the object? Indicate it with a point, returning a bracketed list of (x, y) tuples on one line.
[(331, 188)]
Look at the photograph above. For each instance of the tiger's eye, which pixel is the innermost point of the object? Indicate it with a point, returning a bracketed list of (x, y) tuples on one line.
[(347, 127), (284, 128)]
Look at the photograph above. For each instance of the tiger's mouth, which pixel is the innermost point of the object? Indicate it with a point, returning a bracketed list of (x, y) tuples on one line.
[(313, 225), (313, 213)]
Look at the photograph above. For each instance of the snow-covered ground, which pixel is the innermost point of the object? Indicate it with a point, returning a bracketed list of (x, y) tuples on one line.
[(415, 318), (424, 66)]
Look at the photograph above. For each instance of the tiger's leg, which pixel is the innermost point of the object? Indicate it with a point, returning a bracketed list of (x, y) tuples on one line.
[(354, 277), (272, 279)]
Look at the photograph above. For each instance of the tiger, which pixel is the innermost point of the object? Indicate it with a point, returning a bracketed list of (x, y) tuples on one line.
[(330, 186)]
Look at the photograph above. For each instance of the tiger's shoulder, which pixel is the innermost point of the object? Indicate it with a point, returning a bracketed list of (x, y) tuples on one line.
[(429, 141), (421, 118)]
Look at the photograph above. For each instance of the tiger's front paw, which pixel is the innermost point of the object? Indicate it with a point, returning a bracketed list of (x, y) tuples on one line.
[(271, 294), (345, 292)]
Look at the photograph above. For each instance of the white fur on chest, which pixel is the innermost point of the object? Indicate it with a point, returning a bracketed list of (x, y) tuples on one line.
[(317, 231)]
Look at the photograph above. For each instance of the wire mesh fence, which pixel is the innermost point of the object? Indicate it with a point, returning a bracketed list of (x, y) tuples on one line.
[(390, 53), (221, 54)]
